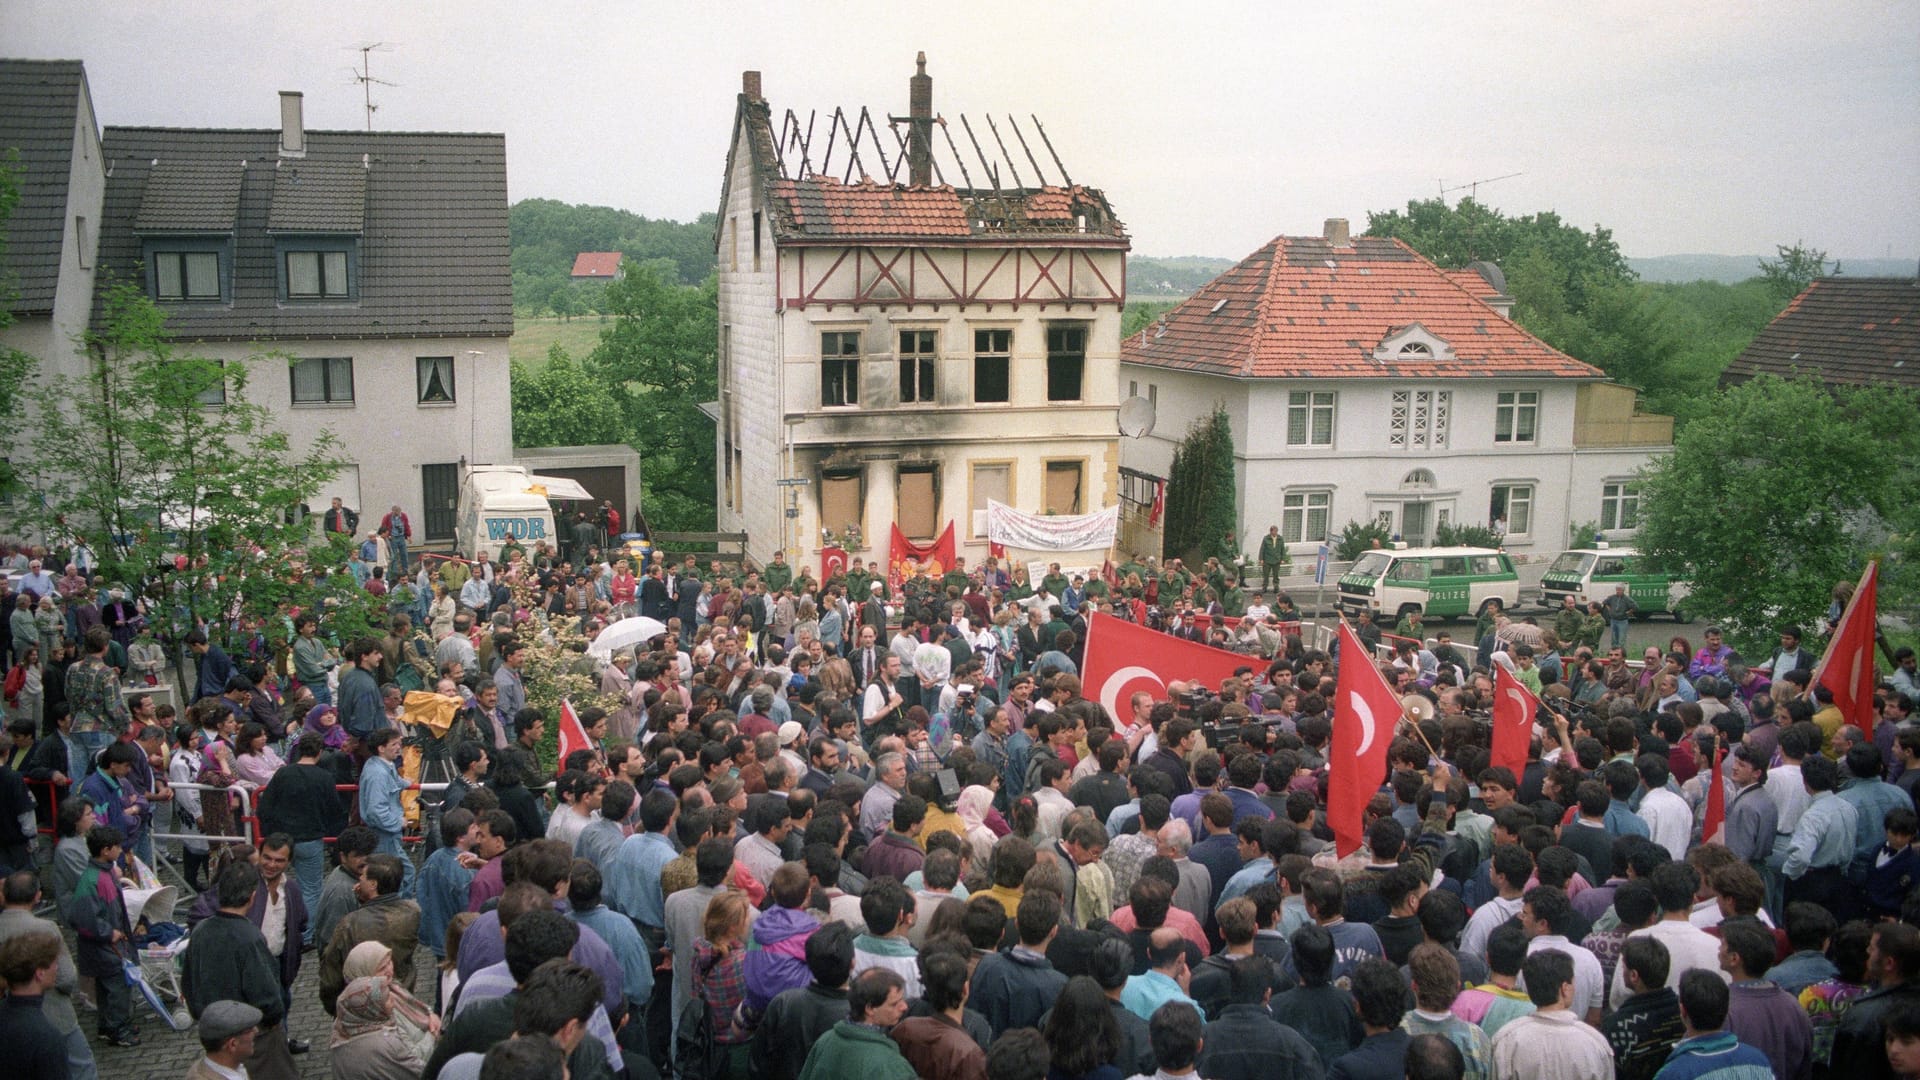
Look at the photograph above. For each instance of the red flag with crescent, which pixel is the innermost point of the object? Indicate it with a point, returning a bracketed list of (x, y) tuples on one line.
[(1514, 709), (833, 562), (572, 735), (1123, 659), (1365, 713), (1716, 801), (1847, 668)]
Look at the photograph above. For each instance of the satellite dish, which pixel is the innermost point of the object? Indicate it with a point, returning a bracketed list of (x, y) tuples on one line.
[(1136, 417)]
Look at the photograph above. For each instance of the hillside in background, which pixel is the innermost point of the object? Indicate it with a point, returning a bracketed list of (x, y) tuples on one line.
[(1172, 277), (1731, 269), (547, 234)]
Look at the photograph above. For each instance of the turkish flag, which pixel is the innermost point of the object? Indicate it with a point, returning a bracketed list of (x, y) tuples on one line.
[(1514, 709), (1847, 668), (1716, 801), (572, 735), (1365, 712), (833, 562), (1122, 658)]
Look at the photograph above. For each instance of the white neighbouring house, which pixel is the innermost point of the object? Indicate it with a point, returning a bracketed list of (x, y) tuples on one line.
[(912, 349), (1365, 383)]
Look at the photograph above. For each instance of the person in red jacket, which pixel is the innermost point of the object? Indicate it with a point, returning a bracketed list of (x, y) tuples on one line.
[(398, 531)]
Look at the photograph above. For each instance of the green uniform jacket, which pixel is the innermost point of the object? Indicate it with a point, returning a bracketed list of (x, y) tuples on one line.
[(777, 575), (1273, 551), (853, 1050)]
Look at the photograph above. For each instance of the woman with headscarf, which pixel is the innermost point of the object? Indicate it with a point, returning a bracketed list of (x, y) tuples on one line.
[(324, 721), (974, 804), (380, 1031)]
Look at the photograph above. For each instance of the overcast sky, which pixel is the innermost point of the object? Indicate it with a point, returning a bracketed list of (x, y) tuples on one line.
[(1685, 128)]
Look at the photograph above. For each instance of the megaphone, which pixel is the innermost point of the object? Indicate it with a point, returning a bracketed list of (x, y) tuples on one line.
[(1417, 707)]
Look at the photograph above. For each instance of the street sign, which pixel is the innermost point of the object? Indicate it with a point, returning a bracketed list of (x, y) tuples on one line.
[(1320, 565)]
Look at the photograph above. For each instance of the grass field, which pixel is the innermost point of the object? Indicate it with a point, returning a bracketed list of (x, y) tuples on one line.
[(533, 337)]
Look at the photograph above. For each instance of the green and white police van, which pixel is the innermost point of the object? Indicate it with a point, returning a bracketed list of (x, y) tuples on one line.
[(1438, 582), (1589, 574)]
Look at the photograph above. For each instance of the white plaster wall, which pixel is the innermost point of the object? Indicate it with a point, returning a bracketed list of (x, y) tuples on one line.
[(386, 432), (750, 347), (1365, 474)]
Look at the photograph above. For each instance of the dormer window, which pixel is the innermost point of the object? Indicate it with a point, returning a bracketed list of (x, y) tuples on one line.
[(186, 275), (316, 275), (1412, 343), (318, 269)]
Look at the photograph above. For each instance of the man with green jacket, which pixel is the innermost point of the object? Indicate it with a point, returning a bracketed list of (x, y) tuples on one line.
[(859, 1045), (1273, 556)]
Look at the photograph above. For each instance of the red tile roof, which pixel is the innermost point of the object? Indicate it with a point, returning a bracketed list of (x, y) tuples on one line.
[(824, 208), (1301, 308), (1842, 331), (597, 264)]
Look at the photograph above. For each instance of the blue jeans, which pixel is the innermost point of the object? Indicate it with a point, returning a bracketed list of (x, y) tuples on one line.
[(92, 742), (1619, 628), (399, 549), (390, 845), (310, 870), (322, 693)]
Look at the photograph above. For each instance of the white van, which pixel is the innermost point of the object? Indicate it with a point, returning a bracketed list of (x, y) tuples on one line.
[(501, 502), (1437, 582)]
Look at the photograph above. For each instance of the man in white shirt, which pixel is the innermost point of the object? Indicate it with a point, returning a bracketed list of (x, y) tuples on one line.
[(1050, 800), (1669, 819), (1544, 916), (1508, 870), (1688, 946), (1551, 1041)]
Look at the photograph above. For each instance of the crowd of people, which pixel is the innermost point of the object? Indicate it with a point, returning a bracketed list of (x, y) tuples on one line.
[(873, 825)]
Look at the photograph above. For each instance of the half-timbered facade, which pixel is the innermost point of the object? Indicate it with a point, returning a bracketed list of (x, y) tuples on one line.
[(899, 348)]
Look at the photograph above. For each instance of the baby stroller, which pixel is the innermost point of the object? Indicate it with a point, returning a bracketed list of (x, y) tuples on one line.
[(159, 945)]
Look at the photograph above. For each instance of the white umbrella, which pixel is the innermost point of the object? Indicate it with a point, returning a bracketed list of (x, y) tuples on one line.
[(625, 633)]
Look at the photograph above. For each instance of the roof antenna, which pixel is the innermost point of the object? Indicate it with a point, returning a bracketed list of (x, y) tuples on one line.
[(364, 76)]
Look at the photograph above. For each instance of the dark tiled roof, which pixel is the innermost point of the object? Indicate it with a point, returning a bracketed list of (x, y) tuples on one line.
[(39, 107), (1301, 308), (318, 197), (597, 264), (190, 197), (1842, 331), (433, 257)]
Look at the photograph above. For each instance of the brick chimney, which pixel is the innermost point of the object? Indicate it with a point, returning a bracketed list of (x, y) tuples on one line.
[(1336, 232), (293, 126), (920, 117), (750, 85)]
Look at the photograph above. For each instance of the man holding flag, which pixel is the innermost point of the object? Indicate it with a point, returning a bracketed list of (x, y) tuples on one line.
[(1749, 815)]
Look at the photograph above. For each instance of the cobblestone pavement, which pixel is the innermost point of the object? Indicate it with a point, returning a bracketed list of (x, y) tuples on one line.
[(164, 1054)]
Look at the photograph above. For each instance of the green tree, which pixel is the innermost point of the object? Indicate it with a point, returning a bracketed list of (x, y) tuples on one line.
[(1201, 506), (659, 350), (566, 402), (1359, 537), (188, 490), (1573, 290), (1795, 269), (1783, 490)]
